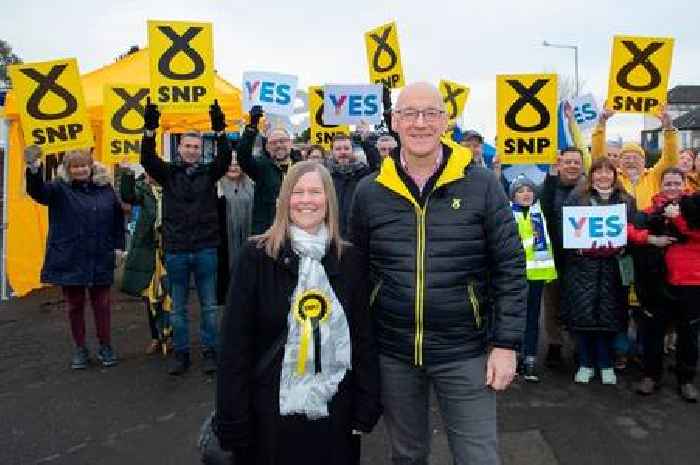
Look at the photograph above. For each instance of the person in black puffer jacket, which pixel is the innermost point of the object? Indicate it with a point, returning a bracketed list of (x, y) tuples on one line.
[(594, 299), (434, 227)]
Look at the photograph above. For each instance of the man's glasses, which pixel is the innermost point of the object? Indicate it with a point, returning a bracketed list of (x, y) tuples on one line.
[(410, 115)]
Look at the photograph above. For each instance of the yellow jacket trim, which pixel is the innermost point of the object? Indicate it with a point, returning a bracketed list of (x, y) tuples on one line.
[(389, 178)]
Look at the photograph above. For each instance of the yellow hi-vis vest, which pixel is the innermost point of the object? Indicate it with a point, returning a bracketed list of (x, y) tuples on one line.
[(540, 266)]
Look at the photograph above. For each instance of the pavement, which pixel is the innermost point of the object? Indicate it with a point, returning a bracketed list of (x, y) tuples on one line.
[(136, 414)]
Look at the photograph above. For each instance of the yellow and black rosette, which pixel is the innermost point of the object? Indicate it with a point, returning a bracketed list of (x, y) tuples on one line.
[(310, 309)]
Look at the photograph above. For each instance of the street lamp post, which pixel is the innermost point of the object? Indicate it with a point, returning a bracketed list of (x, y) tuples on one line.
[(575, 49)]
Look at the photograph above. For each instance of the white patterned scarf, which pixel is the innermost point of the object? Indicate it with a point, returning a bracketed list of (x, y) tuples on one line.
[(317, 352)]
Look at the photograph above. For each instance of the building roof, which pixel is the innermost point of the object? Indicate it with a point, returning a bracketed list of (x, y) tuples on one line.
[(690, 120), (684, 94)]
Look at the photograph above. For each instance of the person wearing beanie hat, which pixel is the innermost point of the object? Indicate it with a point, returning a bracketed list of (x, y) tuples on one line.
[(639, 182), (540, 267)]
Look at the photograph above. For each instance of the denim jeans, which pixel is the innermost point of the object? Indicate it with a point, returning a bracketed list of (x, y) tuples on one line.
[(594, 349), (203, 264), (467, 407), (532, 326)]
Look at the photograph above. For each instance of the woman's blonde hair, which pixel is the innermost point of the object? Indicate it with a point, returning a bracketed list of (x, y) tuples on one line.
[(275, 237)]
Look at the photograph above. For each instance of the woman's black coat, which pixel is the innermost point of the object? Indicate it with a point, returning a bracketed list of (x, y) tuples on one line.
[(247, 413), (593, 297)]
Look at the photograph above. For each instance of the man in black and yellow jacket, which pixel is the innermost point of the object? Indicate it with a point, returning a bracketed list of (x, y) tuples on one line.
[(434, 227)]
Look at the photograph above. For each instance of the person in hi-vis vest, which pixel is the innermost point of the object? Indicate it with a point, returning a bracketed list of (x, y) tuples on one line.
[(532, 228)]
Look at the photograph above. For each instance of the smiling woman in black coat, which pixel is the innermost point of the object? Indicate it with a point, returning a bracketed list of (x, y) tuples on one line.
[(267, 412)]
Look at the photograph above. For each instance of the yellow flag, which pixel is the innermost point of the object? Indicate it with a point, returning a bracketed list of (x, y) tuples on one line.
[(123, 123), (384, 56), (527, 118), (182, 65), (321, 134), (454, 96), (51, 105), (639, 72)]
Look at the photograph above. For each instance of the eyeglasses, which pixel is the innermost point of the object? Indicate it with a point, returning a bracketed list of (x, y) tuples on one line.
[(278, 142), (410, 115)]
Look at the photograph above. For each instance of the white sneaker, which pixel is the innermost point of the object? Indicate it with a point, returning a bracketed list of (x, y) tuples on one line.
[(607, 376), (584, 375)]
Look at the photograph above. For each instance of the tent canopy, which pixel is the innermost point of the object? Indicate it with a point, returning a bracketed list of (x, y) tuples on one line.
[(27, 220), (134, 69)]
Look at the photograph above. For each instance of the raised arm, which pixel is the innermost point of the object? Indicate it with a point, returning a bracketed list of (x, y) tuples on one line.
[(37, 189), (151, 162), (244, 151), (222, 160), (669, 154)]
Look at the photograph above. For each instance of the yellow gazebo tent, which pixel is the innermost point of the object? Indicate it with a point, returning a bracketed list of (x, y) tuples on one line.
[(27, 221)]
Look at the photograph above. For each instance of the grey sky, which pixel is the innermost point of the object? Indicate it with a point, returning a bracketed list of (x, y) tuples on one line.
[(464, 41)]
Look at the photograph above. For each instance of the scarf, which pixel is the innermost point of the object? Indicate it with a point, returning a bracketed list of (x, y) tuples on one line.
[(239, 214), (317, 351)]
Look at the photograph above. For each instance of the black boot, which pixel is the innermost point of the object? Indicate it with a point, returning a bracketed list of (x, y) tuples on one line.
[(179, 363), (209, 361)]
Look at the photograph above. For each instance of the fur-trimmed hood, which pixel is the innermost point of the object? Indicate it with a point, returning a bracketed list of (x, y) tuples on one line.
[(100, 174)]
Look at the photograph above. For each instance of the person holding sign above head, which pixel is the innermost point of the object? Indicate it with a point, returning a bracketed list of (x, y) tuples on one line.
[(86, 230), (267, 170), (640, 182), (594, 294), (190, 230), (434, 226), (298, 378)]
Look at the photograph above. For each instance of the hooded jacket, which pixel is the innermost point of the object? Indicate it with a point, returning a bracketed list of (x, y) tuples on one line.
[(86, 226), (429, 257)]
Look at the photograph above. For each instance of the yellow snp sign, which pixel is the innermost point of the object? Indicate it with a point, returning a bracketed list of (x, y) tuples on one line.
[(527, 118), (454, 96), (321, 133), (124, 106), (639, 72), (51, 105), (384, 56), (182, 65)]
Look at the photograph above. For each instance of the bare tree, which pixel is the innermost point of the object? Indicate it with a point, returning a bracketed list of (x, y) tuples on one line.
[(7, 57)]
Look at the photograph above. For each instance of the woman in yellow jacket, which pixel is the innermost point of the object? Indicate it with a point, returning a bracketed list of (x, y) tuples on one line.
[(638, 181)]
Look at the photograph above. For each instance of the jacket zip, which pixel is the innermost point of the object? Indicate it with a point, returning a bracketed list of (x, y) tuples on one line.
[(420, 280), (475, 304)]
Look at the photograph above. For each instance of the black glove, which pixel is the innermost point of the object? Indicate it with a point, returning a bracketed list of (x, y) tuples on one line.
[(255, 114), (218, 119), (151, 116), (386, 98)]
